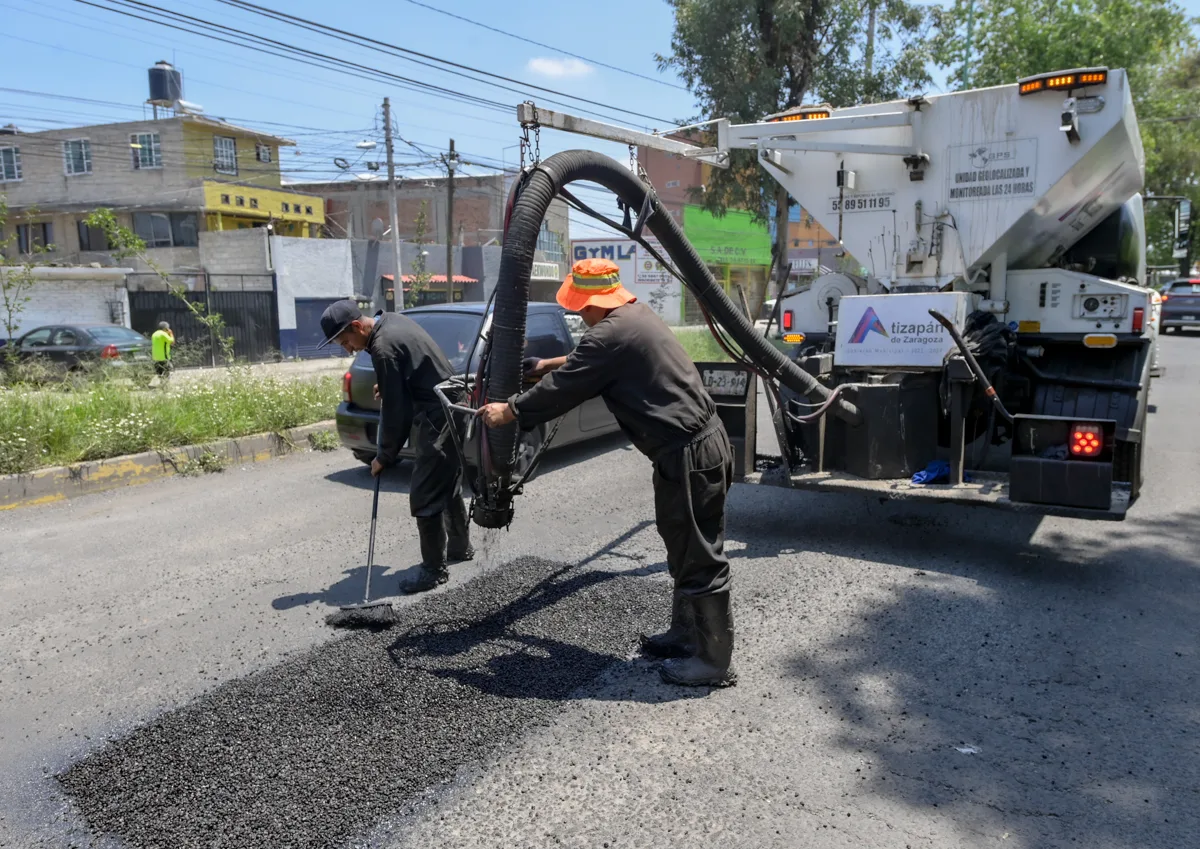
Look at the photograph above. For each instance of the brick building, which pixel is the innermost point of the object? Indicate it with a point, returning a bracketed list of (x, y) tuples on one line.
[(169, 180)]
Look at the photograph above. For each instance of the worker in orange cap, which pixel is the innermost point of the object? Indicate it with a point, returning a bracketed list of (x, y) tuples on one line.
[(630, 358)]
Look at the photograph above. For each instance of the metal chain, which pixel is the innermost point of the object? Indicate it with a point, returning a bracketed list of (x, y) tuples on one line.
[(632, 161), (537, 140)]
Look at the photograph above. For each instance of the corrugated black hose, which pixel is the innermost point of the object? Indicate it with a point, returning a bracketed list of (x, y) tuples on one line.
[(508, 327)]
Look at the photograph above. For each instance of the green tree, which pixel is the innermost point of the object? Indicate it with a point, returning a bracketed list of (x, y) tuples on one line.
[(420, 271), (124, 243), (996, 42), (744, 59), (16, 281)]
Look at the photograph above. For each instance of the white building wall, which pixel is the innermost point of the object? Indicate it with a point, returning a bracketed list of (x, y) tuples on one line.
[(308, 268), (74, 296)]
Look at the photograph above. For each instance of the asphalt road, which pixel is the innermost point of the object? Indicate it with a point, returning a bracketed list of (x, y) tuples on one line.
[(910, 676)]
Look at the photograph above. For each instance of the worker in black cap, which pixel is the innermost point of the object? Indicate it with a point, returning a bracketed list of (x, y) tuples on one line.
[(408, 365)]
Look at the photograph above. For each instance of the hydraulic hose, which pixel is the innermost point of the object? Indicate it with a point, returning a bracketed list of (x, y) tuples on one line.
[(516, 263)]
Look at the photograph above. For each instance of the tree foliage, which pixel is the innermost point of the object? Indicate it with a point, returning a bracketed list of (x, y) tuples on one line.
[(1154, 40), (744, 59)]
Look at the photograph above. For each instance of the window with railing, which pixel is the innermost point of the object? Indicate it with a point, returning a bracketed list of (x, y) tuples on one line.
[(10, 164), (77, 157), (147, 151), (225, 155), (550, 243)]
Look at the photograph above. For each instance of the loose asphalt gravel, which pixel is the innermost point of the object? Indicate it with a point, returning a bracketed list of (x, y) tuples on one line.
[(910, 676), (321, 747)]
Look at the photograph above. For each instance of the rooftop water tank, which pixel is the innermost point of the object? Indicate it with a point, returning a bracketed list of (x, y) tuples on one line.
[(166, 84)]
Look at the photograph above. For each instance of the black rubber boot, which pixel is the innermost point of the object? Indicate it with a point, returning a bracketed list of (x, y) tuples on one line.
[(676, 641), (433, 572), (458, 532), (712, 630)]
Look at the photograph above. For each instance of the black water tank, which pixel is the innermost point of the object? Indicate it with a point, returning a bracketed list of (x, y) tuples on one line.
[(166, 84), (1114, 245)]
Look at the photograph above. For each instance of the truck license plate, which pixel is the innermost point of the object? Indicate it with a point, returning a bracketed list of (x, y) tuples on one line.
[(725, 382)]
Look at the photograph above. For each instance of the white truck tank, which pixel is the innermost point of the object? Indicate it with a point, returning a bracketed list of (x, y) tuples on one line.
[(946, 186)]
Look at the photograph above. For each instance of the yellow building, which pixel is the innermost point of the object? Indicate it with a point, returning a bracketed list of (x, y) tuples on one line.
[(168, 179)]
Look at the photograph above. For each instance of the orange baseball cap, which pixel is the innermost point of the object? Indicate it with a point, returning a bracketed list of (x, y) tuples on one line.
[(593, 283)]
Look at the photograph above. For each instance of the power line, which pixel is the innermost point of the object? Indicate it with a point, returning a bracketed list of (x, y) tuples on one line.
[(376, 45), (348, 67), (341, 65), (595, 62), (135, 35)]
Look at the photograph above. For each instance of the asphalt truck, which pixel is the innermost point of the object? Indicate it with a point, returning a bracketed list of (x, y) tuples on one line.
[(992, 333)]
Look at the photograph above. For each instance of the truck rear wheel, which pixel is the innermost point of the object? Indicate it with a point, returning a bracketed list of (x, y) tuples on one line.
[(1127, 465)]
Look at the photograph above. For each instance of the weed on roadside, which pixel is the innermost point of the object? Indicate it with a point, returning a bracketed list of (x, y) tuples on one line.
[(203, 463), (107, 418), (323, 440)]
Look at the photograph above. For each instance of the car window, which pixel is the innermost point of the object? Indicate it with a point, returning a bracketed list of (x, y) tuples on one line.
[(543, 336), (454, 333), (64, 336), (116, 335), (37, 338), (1184, 287), (576, 326)]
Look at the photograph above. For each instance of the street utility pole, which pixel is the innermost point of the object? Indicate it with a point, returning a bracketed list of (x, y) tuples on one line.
[(397, 277), (451, 160)]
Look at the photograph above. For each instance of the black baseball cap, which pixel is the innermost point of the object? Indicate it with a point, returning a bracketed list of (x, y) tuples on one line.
[(337, 317)]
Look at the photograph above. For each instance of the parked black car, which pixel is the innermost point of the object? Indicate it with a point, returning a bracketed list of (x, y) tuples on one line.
[(73, 346), (550, 331), (1181, 304)]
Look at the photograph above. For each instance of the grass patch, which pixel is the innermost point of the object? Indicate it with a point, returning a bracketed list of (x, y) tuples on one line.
[(324, 440), (700, 345), (703, 348), (202, 464), (51, 427)]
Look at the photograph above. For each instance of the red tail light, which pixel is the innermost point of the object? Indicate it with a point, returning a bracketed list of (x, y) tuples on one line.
[(788, 319), (1087, 440), (1139, 319), (346, 388), (1164, 298), (110, 352)]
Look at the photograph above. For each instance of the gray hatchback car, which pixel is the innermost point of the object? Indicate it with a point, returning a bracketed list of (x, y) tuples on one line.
[(550, 331), (1181, 304)]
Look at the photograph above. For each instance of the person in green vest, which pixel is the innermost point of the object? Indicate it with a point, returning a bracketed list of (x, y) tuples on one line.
[(161, 343)]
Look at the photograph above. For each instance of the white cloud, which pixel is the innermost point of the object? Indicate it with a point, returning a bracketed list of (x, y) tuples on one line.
[(559, 67)]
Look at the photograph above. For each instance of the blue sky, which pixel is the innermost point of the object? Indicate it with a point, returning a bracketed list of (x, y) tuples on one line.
[(64, 47)]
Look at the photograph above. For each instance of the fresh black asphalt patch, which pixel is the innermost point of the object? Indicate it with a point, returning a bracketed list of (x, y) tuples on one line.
[(322, 747)]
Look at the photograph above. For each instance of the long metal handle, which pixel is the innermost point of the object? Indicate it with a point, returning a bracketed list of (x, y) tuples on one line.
[(371, 544), (374, 510)]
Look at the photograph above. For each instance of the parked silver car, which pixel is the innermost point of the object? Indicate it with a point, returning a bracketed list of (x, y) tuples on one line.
[(550, 331)]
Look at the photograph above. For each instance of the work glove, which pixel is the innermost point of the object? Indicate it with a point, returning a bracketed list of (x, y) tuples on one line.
[(529, 366)]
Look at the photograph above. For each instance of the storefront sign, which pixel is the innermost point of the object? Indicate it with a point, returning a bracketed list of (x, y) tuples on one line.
[(733, 239)]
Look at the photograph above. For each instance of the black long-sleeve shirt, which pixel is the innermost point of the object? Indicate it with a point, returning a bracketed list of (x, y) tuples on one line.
[(634, 362), (408, 365)]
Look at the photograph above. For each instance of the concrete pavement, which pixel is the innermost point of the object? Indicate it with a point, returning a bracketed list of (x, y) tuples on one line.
[(910, 676)]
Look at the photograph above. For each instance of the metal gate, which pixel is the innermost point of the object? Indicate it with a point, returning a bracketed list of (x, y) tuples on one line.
[(308, 328), (251, 318)]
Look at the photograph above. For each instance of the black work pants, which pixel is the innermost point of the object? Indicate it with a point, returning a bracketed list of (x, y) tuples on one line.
[(437, 470), (690, 485)]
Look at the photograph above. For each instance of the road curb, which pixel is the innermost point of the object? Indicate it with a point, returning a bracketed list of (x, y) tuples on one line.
[(58, 483)]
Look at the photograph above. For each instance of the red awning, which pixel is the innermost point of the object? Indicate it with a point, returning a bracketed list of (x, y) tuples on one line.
[(433, 278)]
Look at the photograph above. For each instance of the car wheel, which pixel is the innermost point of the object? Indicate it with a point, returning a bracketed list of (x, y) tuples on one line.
[(364, 456), (527, 448)]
